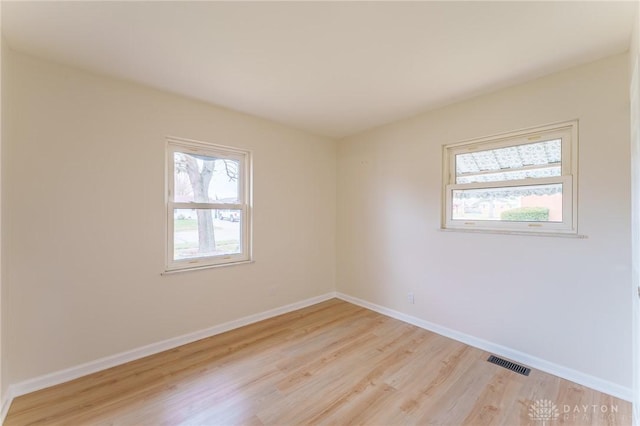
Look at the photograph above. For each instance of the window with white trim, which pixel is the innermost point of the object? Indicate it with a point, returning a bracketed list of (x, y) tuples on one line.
[(208, 205), (523, 181)]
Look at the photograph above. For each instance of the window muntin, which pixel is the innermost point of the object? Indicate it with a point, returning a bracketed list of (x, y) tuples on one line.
[(208, 208), (523, 181)]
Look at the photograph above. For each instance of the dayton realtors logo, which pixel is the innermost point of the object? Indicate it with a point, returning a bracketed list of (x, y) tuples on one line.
[(543, 411)]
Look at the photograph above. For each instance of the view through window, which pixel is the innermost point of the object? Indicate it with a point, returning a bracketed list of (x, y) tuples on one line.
[(208, 209), (523, 181)]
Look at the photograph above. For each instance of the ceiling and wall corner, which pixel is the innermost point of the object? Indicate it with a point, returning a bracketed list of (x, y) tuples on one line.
[(330, 68)]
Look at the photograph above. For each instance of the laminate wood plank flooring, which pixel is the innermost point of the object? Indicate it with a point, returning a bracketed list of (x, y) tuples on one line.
[(333, 363)]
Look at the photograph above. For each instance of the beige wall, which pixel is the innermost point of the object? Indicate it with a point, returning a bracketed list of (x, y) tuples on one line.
[(83, 174), (634, 62), (563, 300), (83, 222)]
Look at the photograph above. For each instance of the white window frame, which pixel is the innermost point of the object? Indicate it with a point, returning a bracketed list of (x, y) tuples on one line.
[(244, 203), (566, 131)]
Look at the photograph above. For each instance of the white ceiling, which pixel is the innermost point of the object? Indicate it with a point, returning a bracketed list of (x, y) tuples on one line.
[(331, 68)]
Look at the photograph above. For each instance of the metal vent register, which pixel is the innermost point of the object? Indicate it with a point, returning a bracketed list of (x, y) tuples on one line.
[(520, 369)]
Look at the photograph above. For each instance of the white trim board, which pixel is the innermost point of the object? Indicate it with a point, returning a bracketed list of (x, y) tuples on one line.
[(7, 399), (514, 355), (62, 376)]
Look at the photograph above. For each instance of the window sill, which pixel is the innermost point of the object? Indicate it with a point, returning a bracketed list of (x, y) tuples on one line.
[(198, 268), (528, 234)]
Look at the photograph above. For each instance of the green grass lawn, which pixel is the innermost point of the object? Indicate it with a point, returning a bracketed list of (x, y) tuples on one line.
[(185, 224), (182, 225)]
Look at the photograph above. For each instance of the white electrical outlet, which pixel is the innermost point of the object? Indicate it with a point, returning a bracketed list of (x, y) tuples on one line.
[(410, 298)]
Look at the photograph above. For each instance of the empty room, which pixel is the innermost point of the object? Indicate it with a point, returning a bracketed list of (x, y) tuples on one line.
[(293, 213)]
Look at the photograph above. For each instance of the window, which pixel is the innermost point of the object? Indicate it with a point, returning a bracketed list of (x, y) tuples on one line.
[(523, 181), (208, 205)]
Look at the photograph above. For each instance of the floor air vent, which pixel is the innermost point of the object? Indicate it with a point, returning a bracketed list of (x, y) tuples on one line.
[(509, 365)]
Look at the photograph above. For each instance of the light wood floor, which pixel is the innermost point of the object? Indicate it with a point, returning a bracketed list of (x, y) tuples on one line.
[(331, 363)]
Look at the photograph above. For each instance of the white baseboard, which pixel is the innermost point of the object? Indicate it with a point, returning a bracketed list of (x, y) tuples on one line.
[(7, 399), (61, 376), (514, 355)]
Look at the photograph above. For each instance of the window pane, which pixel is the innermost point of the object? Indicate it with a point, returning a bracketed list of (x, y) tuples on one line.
[(535, 203), (535, 160), (203, 179), (206, 232)]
